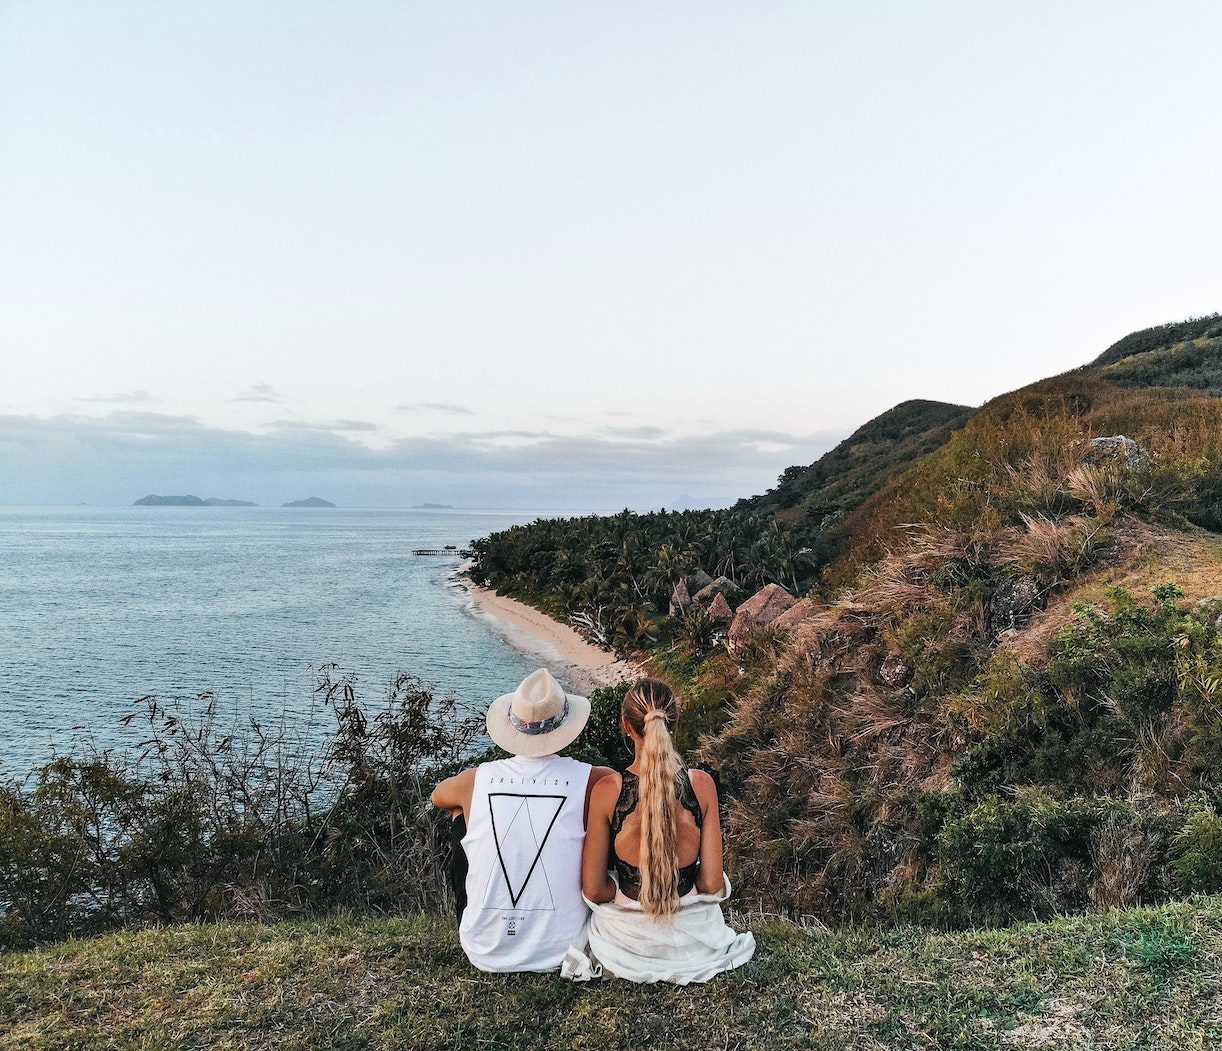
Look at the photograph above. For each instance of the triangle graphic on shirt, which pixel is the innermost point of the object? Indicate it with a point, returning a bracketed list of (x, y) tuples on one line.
[(522, 821)]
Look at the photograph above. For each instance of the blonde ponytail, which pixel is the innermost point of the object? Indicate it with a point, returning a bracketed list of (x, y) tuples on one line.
[(650, 709)]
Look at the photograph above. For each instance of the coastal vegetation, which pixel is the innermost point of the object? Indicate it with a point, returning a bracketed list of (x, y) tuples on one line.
[(998, 695), (200, 821), (964, 672)]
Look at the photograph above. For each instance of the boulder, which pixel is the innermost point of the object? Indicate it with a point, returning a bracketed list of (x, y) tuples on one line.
[(720, 586), (760, 610), (894, 672), (1117, 449), (801, 610), (699, 579), (1013, 603), (719, 609)]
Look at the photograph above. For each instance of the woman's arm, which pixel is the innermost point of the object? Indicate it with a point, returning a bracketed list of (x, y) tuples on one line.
[(453, 795), (596, 855), (712, 872)]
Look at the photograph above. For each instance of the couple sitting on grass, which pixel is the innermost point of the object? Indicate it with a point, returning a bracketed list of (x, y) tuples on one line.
[(585, 870)]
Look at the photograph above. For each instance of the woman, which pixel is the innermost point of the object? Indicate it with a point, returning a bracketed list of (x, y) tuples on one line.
[(651, 867)]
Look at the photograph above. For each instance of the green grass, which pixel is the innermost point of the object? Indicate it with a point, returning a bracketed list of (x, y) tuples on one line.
[(1142, 978)]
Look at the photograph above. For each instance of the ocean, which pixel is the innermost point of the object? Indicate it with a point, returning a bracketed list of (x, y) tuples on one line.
[(100, 607)]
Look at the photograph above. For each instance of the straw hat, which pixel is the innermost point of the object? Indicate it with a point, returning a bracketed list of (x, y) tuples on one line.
[(538, 718)]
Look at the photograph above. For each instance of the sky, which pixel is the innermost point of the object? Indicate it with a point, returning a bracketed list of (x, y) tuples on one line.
[(569, 255)]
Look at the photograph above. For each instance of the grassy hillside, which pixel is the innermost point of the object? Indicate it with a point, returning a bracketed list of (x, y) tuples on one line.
[(981, 724), (618, 571), (1149, 978), (814, 498), (1183, 354)]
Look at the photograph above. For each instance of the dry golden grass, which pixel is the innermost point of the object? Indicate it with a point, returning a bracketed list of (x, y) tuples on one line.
[(1025, 451), (1142, 555)]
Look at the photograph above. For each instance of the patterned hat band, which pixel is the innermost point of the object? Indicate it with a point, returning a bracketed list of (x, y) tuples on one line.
[(543, 726)]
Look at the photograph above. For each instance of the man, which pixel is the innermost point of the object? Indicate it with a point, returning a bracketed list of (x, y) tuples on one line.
[(525, 819)]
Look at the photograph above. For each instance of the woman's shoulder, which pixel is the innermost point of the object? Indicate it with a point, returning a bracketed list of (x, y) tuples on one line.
[(607, 788), (702, 783)]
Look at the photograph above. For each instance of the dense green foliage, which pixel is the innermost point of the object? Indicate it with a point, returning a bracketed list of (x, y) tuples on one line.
[(1158, 337), (617, 572), (1133, 978)]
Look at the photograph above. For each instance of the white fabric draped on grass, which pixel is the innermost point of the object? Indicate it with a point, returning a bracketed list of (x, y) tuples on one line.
[(623, 942)]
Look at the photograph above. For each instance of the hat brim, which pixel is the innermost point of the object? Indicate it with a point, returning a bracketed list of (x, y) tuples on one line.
[(503, 733)]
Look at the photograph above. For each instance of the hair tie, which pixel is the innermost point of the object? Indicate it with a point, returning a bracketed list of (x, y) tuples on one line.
[(654, 713)]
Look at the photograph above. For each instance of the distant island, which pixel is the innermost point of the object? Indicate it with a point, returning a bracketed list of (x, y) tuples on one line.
[(309, 501), (190, 501), (432, 507)]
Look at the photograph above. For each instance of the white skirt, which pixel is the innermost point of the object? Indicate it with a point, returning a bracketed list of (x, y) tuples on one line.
[(624, 942)]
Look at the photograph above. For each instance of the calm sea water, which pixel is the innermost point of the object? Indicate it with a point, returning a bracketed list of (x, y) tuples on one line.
[(100, 607)]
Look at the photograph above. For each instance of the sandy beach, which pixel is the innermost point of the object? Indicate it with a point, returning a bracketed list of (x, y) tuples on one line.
[(578, 664)]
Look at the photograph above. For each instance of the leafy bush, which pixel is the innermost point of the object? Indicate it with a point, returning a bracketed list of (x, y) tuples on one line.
[(1197, 848), (202, 823), (1032, 852)]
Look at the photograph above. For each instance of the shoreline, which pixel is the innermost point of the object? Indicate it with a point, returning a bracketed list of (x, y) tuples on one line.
[(577, 663)]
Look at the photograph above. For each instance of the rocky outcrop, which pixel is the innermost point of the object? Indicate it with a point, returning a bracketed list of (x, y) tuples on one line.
[(1013, 603), (800, 611), (698, 580)]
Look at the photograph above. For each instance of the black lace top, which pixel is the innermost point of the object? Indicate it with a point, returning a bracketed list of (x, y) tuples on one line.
[(629, 875)]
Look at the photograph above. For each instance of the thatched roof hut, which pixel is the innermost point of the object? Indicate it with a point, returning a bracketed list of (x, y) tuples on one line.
[(720, 586), (679, 598), (719, 609), (760, 610), (698, 580), (800, 611)]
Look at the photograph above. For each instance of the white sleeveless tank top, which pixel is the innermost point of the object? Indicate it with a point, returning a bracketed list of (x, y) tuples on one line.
[(524, 837)]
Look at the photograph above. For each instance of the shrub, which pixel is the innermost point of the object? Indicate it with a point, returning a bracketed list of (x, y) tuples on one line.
[(1027, 854), (202, 823), (1197, 848), (602, 742)]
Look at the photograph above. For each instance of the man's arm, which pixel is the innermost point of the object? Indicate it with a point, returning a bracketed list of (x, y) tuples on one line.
[(453, 795)]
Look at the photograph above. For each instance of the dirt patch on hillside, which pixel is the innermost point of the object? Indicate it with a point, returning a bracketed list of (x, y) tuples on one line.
[(1144, 556)]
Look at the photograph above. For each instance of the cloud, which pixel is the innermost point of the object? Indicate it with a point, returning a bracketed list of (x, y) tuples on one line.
[(133, 397), (125, 454), (645, 432), (261, 392), (331, 425), (434, 406)]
